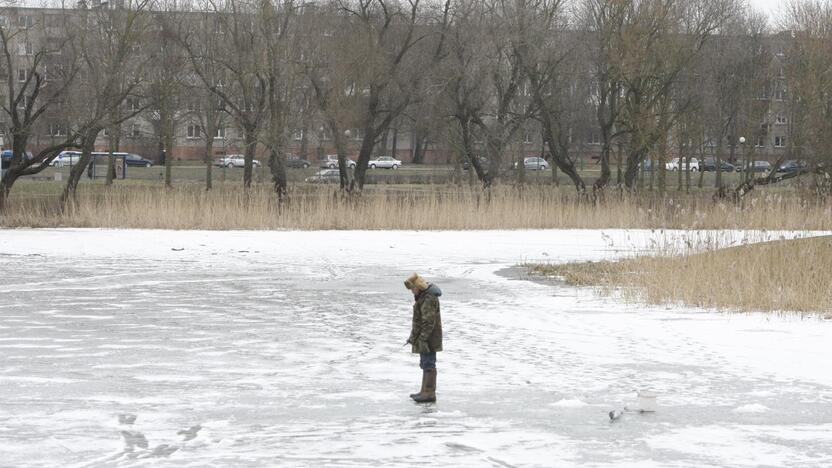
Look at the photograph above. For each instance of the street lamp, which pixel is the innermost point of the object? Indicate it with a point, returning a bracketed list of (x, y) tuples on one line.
[(742, 150)]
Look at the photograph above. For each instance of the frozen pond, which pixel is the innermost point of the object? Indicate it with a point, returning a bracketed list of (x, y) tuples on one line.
[(159, 348)]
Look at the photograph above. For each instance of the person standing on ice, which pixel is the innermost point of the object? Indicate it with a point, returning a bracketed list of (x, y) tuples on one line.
[(425, 333)]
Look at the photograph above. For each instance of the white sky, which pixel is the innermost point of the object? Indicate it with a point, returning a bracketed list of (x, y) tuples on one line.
[(770, 7)]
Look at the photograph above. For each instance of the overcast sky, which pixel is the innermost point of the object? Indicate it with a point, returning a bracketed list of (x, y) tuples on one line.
[(767, 6)]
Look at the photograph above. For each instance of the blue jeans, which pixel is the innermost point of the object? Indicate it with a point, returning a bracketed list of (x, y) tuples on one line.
[(427, 361)]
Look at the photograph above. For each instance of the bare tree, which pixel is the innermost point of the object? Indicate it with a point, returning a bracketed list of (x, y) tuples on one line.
[(653, 43), (234, 71), (547, 49), (394, 69), (39, 76), (112, 71)]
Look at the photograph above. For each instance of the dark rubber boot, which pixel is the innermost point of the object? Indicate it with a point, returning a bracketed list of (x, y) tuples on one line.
[(429, 395), (421, 390)]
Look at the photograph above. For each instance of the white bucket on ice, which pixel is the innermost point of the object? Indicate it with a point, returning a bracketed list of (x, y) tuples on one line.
[(647, 402)]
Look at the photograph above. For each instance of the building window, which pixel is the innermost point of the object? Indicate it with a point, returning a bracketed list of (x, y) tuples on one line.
[(779, 142), (763, 94), (193, 131), (57, 130), (761, 142), (22, 75), (220, 133), (132, 104), (25, 21), (22, 104), (780, 94), (297, 135), (135, 131), (3, 21), (356, 134), (105, 132), (781, 119), (25, 48), (528, 136)]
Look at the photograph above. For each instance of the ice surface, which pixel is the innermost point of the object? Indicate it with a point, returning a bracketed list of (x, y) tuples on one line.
[(285, 349)]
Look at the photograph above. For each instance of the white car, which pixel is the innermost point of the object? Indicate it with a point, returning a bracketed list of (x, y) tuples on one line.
[(535, 164), (676, 164), (330, 161), (235, 160), (388, 162), (66, 158)]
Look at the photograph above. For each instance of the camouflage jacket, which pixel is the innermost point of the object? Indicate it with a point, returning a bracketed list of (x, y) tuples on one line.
[(426, 330)]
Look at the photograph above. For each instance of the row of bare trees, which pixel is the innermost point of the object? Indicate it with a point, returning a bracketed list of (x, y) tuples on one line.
[(641, 79)]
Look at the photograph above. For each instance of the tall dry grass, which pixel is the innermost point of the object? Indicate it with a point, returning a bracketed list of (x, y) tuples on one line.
[(415, 207), (791, 275)]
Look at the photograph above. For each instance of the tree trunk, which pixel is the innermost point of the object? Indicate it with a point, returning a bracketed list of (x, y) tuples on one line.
[(167, 135), (662, 183), (475, 167), (71, 186), (634, 158), (559, 153), (209, 163), (113, 144), (394, 145), (250, 141), (6, 184), (277, 165)]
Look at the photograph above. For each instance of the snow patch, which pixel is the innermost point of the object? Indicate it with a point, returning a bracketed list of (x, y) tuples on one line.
[(751, 408)]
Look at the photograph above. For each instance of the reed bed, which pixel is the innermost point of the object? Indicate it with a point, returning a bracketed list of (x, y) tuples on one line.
[(397, 208), (781, 276)]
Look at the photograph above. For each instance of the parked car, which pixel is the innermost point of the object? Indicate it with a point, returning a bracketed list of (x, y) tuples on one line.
[(330, 161), (66, 158), (132, 159), (234, 160), (484, 163), (758, 166), (388, 162), (534, 164), (791, 166), (324, 176), (709, 165), (647, 165), (676, 164), (297, 162), (7, 154)]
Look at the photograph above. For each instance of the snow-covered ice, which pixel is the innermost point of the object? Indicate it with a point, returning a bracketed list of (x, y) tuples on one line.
[(183, 348)]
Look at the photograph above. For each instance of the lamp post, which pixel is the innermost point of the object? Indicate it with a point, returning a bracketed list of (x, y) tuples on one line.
[(742, 151)]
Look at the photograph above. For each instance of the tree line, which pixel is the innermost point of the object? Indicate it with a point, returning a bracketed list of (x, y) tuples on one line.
[(639, 79)]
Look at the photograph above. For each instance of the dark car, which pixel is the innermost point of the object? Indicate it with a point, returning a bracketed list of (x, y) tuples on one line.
[(791, 166), (297, 162), (136, 160), (484, 163), (709, 164), (325, 176)]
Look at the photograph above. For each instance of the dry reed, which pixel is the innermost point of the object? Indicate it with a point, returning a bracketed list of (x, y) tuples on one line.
[(791, 275), (414, 207)]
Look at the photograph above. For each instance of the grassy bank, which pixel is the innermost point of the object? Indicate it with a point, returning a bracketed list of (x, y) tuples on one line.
[(400, 207), (776, 276)]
